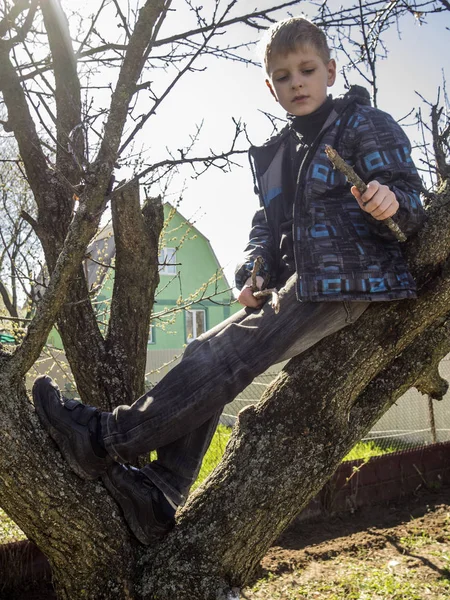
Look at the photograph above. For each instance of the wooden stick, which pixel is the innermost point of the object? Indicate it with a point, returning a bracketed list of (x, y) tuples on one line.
[(275, 301), (340, 164)]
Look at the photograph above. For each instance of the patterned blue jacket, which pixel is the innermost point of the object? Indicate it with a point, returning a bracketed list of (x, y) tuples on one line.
[(340, 251)]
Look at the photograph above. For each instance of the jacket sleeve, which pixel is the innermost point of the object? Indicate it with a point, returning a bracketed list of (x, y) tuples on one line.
[(259, 244), (383, 153)]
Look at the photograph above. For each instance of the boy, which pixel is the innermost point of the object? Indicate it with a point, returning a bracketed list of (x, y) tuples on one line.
[(328, 250)]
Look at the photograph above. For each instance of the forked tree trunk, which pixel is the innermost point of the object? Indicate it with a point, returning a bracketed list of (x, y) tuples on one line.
[(281, 453)]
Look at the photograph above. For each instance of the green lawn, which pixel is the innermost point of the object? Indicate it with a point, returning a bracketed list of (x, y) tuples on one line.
[(369, 449), (9, 532), (214, 454)]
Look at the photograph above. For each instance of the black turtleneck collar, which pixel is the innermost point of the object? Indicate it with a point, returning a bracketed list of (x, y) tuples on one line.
[(309, 126)]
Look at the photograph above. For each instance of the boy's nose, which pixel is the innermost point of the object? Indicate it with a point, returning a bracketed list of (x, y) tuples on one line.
[(296, 82)]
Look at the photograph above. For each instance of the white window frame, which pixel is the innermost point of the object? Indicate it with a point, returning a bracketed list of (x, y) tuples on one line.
[(167, 261), (195, 334), (151, 334)]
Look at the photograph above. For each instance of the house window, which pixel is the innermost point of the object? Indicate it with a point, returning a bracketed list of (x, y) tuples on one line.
[(167, 261), (195, 324)]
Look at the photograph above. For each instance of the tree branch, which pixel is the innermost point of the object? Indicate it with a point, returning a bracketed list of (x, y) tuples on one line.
[(206, 161), (7, 23), (81, 231), (92, 25), (129, 74), (7, 301), (22, 31), (136, 236), (70, 139), (442, 167), (122, 18), (247, 19), (21, 123), (158, 101)]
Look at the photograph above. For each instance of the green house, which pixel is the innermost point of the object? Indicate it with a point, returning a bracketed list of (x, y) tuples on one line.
[(192, 297)]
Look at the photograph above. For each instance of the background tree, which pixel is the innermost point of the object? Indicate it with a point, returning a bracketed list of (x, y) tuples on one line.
[(71, 148), (19, 256)]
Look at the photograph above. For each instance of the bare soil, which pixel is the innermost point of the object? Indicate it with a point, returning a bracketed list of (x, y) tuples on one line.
[(407, 543)]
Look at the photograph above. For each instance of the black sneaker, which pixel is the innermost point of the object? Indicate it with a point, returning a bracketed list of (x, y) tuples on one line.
[(73, 426), (140, 501)]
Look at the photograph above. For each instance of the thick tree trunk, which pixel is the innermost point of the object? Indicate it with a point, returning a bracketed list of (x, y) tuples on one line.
[(111, 371), (74, 523)]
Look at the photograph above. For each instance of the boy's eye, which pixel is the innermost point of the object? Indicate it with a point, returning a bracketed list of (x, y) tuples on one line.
[(281, 78), (308, 71)]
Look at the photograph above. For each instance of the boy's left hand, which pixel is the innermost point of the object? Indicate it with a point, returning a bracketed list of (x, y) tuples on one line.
[(378, 200)]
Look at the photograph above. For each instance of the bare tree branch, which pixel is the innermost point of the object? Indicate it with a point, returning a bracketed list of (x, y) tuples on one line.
[(186, 68), (7, 301), (89, 31), (21, 123), (122, 18), (22, 31), (131, 69), (8, 22), (70, 140)]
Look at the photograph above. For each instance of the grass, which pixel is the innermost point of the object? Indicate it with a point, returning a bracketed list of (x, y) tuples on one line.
[(369, 449), (214, 453), (10, 532), (362, 582)]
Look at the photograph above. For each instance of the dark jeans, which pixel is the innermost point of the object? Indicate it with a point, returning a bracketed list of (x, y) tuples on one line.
[(180, 414)]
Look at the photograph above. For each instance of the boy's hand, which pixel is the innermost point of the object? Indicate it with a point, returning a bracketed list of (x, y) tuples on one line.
[(246, 297), (378, 200)]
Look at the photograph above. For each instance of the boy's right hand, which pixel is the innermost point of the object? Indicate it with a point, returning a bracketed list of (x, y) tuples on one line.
[(246, 297)]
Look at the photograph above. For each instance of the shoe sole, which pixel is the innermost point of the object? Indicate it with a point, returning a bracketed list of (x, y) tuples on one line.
[(62, 441), (126, 504)]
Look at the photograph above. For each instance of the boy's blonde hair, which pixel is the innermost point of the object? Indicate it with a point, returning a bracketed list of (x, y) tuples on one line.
[(288, 35)]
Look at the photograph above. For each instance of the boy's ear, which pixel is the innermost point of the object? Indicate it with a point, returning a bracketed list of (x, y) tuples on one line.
[(331, 68), (269, 85)]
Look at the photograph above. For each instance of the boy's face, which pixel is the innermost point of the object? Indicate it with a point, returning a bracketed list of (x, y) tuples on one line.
[(299, 80)]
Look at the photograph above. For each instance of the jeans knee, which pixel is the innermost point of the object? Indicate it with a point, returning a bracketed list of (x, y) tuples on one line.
[(354, 310), (190, 348)]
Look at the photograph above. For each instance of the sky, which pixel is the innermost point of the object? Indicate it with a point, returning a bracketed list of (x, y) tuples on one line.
[(222, 204)]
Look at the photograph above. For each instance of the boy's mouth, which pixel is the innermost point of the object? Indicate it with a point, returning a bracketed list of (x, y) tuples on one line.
[(299, 98)]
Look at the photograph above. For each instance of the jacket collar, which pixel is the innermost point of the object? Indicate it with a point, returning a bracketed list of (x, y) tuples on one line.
[(263, 155)]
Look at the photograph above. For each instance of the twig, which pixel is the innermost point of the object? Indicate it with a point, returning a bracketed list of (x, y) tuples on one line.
[(15, 319), (274, 302), (340, 164)]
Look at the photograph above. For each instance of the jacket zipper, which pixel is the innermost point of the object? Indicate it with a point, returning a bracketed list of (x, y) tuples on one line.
[(298, 205)]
